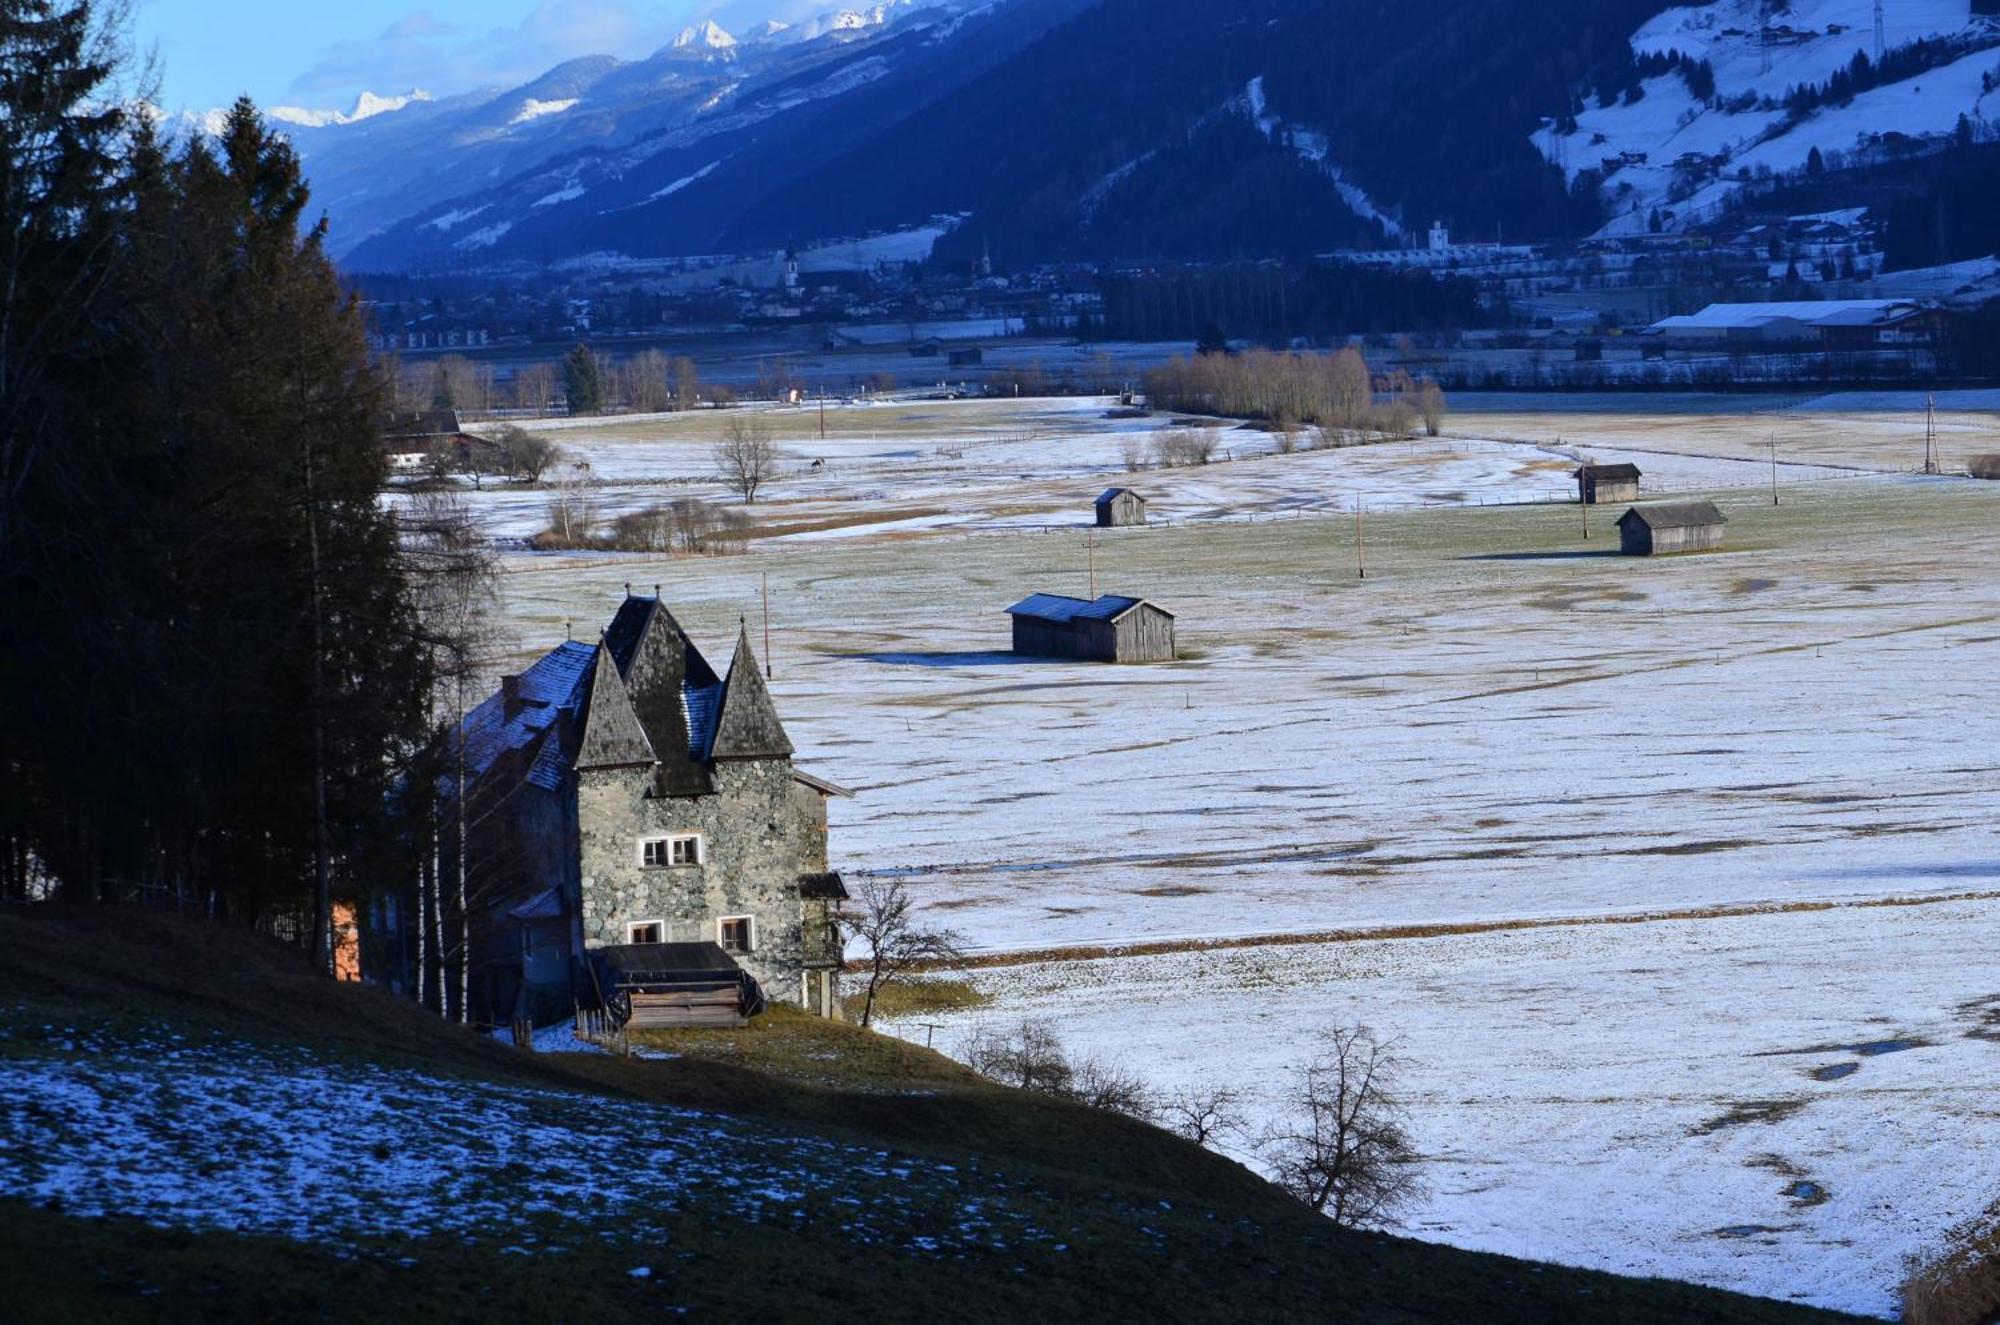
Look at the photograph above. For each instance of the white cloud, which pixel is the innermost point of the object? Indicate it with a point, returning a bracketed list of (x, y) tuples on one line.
[(421, 51)]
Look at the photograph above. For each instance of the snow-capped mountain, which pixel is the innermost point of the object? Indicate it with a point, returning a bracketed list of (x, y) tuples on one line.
[(1745, 100), (1157, 128), (704, 36), (366, 107)]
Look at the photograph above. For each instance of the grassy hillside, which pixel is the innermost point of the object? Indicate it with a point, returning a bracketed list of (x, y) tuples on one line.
[(314, 1151)]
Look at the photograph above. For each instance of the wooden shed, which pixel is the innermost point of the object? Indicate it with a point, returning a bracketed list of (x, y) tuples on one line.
[(650, 986), (1676, 526), (1109, 629), (1601, 484), (1120, 507)]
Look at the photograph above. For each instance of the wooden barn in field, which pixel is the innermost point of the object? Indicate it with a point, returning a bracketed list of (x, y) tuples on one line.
[(1109, 629), (1603, 484), (1677, 526), (1118, 508)]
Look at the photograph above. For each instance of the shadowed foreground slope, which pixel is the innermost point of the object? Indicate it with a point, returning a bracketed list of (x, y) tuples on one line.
[(316, 1151)]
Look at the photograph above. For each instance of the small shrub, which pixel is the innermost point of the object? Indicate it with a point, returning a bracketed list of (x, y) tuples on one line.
[(1178, 447), (1960, 1287), (1984, 466)]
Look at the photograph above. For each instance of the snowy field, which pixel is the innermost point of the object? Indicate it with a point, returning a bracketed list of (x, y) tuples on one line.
[(1784, 1105), (1502, 726), (980, 465)]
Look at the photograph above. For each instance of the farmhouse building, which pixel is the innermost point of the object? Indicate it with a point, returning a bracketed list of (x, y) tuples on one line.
[(1598, 484), (1109, 629), (1120, 507), (642, 844), (1662, 527)]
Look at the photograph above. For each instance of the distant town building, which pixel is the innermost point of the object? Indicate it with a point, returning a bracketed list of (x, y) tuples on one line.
[(1440, 237), (1597, 484), (1118, 508), (1664, 527), (1109, 629), (1835, 323)]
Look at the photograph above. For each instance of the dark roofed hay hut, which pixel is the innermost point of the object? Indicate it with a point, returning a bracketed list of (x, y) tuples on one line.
[(1665, 527), (1599, 484), (1118, 508), (1107, 629)]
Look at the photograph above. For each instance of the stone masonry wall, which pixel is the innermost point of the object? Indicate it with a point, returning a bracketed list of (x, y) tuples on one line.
[(758, 836)]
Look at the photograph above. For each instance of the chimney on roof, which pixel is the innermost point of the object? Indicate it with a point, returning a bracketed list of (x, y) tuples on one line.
[(510, 695)]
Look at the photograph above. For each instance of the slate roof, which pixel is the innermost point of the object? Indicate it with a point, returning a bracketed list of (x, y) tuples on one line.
[(1062, 610), (747, 727), (550, 692), (828, 887), (1110, 495), (1675, 515), (612, 736)]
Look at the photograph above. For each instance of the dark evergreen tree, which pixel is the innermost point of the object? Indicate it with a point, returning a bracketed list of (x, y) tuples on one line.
[(207, 679), (583, 378)]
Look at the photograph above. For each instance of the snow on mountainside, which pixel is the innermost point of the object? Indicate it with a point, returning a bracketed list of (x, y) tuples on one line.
[(704, 36), (366, 107), (1687, 158)]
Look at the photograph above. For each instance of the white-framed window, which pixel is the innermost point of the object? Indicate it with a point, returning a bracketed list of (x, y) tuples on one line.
[(737, 933), (678, 851), (646, 931)]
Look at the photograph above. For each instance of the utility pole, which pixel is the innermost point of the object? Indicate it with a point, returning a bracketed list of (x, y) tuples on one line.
[(822, 413), (1930, 435), (1881, 37), (770, 671), (1090, 553), (1774, 466), (1360, 543)]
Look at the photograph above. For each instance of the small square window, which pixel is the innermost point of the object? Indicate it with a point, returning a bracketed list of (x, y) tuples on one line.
[(647, 932), (736, 934), (658, 853)]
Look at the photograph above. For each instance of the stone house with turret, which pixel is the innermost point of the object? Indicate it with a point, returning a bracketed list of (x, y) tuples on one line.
[(642, 845)]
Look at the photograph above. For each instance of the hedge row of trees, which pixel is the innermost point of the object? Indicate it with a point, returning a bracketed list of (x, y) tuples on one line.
[(213, 663), (1334, 392)]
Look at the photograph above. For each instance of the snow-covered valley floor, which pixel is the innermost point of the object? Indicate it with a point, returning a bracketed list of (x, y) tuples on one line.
[(1501, 725), (1785, 1105)]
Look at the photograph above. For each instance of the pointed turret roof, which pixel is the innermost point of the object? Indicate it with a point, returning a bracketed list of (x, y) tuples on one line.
[(612, 736), (748, 726)]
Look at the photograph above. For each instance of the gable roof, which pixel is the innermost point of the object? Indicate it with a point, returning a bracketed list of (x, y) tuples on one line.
[(1062, 610), (549, 691), (747, 727), (1675, 515), (1110, 495), (1815, 313), (1616, 473)]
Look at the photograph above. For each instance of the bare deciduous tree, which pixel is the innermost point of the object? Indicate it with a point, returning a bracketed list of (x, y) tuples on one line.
[(893, 940), (1031, 1056), (746, 459), (525, 455), (1203, 1112), (454, 575), (1344, 1150), (1430, 404), (647, 390), (534, 385)]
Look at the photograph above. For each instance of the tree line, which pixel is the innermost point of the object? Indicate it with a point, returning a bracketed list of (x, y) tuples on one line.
[(216, 662), (1337, 393)]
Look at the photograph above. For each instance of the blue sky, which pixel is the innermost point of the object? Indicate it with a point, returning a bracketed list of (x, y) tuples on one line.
[(323, 53)]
